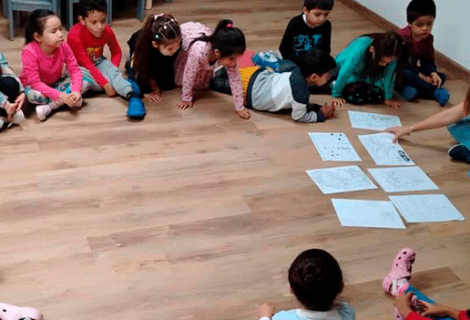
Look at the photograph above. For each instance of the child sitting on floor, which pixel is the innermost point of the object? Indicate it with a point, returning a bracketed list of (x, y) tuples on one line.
[(308, 31), (316, 280), (420, 77), (44, 58), (87, 39), (367, 70)]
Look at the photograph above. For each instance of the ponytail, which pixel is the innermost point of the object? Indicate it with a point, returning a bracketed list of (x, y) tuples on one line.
[(226, 38)]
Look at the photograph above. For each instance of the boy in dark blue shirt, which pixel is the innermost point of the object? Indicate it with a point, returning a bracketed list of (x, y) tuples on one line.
[(308, 31)]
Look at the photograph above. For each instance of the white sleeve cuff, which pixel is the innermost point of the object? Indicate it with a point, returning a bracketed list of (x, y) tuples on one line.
[(265, 318)]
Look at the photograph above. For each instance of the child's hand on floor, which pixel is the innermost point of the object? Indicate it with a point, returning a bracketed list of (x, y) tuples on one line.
[(154, 97), (243, 113), (108, 88), (183, 105), (328, 111), (436, 80), (393, 104), (265, 310), (337, 102), (404, 304)]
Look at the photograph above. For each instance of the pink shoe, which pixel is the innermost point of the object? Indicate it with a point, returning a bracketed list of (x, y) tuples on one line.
[(10, 312), (396, 282)]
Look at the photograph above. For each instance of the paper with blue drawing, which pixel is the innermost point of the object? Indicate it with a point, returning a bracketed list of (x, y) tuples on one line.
[(334, 146), (341, 179), (426, 208), (365, 213), (372, 121), (384, 151), (403, 179)]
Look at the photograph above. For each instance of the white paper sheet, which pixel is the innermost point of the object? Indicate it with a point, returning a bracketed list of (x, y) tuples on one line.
[(334, 146), (372, 121), (384, 151), (403, 179), (426, 208), (341, 179), (364, 213)]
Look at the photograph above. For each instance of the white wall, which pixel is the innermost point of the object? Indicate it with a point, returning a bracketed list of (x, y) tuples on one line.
[(451, 29)]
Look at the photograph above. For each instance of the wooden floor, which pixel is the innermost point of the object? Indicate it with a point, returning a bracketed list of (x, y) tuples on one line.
[(197, 214)]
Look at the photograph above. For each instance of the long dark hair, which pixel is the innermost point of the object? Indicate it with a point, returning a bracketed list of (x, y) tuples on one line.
[(163, 29), (226, 38), (36, 23), (387, 44), (467, 105)]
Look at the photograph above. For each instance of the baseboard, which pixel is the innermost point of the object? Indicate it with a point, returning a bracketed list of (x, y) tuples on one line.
[(458, 71)]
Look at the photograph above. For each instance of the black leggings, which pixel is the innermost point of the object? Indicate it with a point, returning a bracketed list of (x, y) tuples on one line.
[(10, 87)]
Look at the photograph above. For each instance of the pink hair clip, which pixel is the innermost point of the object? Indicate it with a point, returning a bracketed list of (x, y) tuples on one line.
[(229, 25)]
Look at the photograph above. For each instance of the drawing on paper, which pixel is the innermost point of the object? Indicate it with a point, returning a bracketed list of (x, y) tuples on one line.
[(426, 208), (372, 121), (341, 179), (334, 146), (365, 213), (384, 151), (403, 179)]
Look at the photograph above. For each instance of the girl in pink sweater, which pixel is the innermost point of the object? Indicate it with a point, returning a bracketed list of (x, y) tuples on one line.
[(44, 58), (201, 52)]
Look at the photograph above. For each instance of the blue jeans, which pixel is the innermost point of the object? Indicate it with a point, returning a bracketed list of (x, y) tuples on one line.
[(461, 131)]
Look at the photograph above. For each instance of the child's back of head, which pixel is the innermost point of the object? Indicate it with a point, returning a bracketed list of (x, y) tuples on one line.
[(85, 7), (319, 4), (420, 8), (316, 279), (317, 62)]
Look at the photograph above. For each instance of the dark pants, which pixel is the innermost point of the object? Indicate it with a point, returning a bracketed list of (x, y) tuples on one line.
[(220, 82), (11, 88), (410, 78)]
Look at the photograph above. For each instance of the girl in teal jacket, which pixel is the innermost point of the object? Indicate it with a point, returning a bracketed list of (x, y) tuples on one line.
[(371, 58)]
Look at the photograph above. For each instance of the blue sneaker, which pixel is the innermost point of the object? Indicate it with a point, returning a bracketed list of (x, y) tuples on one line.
[(409, 93), (136, 109), (459, 152), (267, 59), (442, 96)]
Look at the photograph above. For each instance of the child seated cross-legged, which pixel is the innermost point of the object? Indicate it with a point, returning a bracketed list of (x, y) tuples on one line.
[(420, 78), (410, 303), (87, 40), (316, 280), (266, 90), (44, 58)]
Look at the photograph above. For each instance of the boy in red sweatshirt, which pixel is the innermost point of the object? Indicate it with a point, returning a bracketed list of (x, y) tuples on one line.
[(87, 40)]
